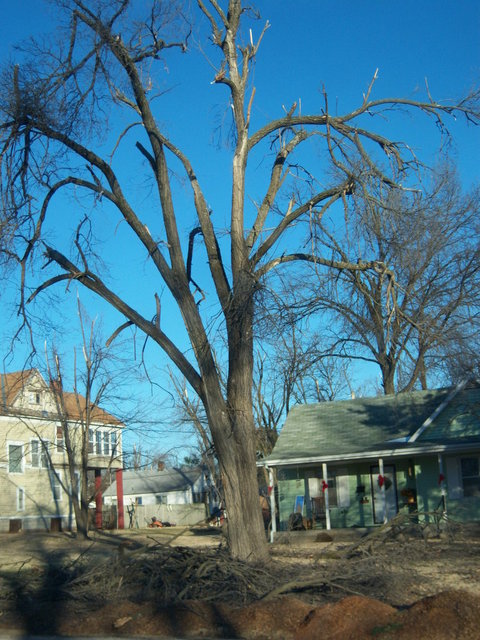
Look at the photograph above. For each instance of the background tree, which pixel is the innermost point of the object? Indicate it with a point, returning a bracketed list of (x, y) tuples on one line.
[(406, 317), (52, 109), (78, 413), (292, 366)]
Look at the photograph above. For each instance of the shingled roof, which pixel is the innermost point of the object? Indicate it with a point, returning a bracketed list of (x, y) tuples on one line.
[(12, 384), (353, 428)]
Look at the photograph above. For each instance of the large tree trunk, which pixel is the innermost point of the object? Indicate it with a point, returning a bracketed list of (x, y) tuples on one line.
[(235, 440), (246, 532), (388, 376)]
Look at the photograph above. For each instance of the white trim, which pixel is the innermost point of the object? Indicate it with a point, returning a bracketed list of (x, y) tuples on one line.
[(428, 449)]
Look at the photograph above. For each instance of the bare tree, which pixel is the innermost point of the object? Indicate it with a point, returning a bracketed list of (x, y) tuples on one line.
[(402, 317), (292, 367), (79, 414), (51, 115)]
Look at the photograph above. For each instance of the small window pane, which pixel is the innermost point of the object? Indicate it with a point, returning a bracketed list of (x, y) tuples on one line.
[(98, 443), (113, 441), (35, 453), (106, 443), (90, 441)]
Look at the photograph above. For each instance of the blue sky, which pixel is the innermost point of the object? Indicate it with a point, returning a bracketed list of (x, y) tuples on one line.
[(310, 45)]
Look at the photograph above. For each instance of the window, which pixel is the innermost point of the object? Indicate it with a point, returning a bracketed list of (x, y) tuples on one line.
[(316, 490), (113, 442), (106, 443), (56, 485), (98, 443), (59, 439), (15, 458), (160, 499), (39, 453), (20, 499), (138, 500), (90, 441), (35, 397), (470, 477), (35, 453)]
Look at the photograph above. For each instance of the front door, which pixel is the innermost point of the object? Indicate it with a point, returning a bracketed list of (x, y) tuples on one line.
[(385, 504)]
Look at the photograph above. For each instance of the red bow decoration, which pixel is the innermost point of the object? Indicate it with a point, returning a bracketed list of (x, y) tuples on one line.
[(441, 478), (381, 480), (324, 485)]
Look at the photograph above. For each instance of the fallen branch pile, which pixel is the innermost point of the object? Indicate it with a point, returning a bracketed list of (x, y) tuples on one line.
[(380, 565), (160, 573)]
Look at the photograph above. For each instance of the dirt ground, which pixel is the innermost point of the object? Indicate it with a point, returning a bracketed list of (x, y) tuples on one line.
[(392, 584)]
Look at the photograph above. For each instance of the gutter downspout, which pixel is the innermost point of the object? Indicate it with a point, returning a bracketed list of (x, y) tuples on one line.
[(273, 514)]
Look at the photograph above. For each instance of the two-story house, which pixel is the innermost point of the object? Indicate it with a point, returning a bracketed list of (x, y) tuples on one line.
[(35, 472)]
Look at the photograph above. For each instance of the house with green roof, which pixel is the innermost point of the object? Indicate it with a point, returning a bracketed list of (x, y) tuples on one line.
[(359, 462)]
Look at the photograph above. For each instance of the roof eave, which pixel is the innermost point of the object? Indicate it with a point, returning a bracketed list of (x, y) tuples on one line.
[(371, 455)]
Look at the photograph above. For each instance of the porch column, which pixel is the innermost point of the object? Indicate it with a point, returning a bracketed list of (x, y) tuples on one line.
[(325, 495), (382, 489), (120, 511), (98, 498), (441, 482), (273, 514)]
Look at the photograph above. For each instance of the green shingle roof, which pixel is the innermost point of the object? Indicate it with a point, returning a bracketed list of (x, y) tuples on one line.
[(373, 424)]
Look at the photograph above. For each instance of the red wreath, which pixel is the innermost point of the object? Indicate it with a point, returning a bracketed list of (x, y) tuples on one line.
[(441, 478), (324, 485), (381, 480)]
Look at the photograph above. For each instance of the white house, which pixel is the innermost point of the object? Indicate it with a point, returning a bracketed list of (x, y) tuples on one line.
[(161, 487), (36, 487)]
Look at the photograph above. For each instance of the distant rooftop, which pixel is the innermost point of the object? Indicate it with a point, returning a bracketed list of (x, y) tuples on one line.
[(155, 481)]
